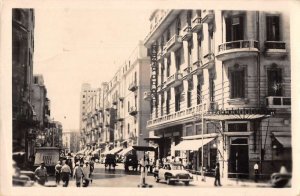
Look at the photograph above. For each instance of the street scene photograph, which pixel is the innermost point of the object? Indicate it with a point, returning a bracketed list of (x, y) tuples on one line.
[(151, 98)]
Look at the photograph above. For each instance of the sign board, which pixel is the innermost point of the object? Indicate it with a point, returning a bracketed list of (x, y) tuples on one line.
[(153, 82), (48, 156)]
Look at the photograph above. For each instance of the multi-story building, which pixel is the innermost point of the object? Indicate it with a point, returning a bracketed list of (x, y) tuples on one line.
[(221, 88), (122, 114), (24, 116)]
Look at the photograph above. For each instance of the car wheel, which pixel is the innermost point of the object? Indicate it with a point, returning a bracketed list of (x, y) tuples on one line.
[(156, 179), (169, 181), (187, 183)]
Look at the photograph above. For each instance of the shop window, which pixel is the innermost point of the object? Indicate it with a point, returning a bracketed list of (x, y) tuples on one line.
[(237, 83), (272, 28), (274, 82), (234, 28)]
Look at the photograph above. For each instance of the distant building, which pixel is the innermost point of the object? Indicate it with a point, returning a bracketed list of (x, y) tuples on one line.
[(71, 140)]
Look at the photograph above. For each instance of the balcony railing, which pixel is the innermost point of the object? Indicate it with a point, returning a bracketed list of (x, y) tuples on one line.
[(277, 102), (208, 61), (147, 95), (196, 68), (174, 79), (187, 33), (237, 49), (275, 48), (197, 24), (132, 110), (187, 72), (207, 16), (174, 43), (132, 86), (176, 116)]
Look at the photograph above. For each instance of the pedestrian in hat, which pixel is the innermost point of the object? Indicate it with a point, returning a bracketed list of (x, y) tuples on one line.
[(217, 175), (65, 174), (58, 167), (41, 174)]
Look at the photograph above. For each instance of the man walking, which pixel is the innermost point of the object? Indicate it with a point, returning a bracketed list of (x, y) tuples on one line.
[(217, 175), (78, 173), (255, 172), (41, 174), (86, 174), (65, 174), (58, 167)]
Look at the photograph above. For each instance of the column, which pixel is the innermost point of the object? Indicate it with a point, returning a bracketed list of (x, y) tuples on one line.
[(195, 50), (205, 46), (173, 63), (185, 55)]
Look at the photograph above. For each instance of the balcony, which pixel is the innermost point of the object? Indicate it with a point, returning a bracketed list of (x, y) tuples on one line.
[(132, 86), (196, 68), (237, 49), (132, 111), (187, 73), (147, 95), (275, 49), (174, 80), (207, 16), (197, 24), (175, 118), (208, 61), (187, 33), (276, 102), (173, 44)]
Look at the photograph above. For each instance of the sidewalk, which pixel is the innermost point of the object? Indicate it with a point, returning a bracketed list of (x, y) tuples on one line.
[(229, 182)]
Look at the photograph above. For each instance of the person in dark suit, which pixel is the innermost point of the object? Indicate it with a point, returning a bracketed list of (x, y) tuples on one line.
[(217, 175)]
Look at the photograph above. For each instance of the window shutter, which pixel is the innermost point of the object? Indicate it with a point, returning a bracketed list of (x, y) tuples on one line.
[(269, 28), (241, 28), (228, 23), (276, 24)]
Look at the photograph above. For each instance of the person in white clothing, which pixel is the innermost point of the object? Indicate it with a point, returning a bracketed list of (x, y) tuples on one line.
[(86, 174)]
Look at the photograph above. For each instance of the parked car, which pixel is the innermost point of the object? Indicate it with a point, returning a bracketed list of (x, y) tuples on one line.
[(173, 172), (131, 160), (280, 180)]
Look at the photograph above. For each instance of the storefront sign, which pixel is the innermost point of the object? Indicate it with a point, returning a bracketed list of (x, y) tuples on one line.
[(154, 75)]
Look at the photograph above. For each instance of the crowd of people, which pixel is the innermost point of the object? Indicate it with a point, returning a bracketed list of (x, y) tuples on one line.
[(78, 167)]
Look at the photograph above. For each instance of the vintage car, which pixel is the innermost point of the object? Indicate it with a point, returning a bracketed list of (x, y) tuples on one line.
[(173, 172)]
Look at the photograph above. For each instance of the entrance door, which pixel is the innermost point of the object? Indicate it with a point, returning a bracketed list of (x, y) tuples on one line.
[(239, 158)]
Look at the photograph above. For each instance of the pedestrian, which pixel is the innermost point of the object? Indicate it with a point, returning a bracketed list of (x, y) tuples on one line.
[(255, 172), (78, 173), (41, 174), (58, 167), (217, 175), (65, 174), (86, 174), (92, 164), (151, 166)]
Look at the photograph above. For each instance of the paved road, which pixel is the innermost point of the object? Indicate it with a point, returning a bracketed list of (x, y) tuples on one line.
[(120, 178)]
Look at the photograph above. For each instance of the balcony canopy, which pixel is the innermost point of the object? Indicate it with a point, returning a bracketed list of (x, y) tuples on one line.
[(192, 144), (284, 138)]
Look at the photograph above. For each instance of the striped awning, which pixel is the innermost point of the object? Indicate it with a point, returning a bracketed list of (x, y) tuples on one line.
[(192, 144)]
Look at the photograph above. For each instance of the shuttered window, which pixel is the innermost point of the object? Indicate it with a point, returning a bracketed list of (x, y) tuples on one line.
[(238, 84), (275, 82), (272, 28), (234, 28)]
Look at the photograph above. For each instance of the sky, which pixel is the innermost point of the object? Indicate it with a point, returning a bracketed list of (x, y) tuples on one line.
[(75, 46)]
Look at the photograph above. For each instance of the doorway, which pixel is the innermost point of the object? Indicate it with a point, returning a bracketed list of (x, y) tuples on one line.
[(239, 158)]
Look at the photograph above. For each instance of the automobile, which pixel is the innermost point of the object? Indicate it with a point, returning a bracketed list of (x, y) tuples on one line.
[(279, 180), (131, 160), (173, 172)]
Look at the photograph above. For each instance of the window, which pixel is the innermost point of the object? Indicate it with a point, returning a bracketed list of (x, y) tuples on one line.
[(237, 82), (168, 66), (83, 96), (189, 17), (199, 94), (189, 131), (162, 43), (178, 26), (128, 105), (128, 128), (234, 28), (237, 127), (162, 70), (162, 105), (211, 89), (190, 48), (189, 93), (178, 92), (178, 59), (168, 101), (274, 82), (272, 28), (168, 35)]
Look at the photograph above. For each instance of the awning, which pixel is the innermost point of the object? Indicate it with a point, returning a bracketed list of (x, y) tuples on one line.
[(192, 144), (235, 117), (284, 138), (96, 151), (125, 151), (152, 138), (114, 150)]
